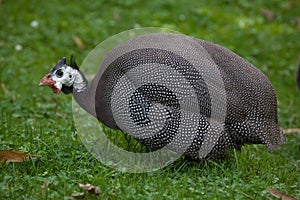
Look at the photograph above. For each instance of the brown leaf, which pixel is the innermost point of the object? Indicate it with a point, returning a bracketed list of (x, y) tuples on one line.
[(15, 156), (269, 15), (291, 130), (4, 88), (93, 190), (298, 23), (90, 188), (117, 16), (44, 186), (78, 195), (280, 195), (78, 42)]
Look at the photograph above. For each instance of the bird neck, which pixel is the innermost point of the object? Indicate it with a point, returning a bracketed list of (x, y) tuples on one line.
[(83, 95), (80, 83)]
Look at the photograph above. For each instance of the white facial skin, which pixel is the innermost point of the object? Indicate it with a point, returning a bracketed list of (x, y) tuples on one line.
[(64, 76)]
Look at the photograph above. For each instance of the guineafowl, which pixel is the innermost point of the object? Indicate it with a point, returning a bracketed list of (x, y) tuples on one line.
[(170, 90)]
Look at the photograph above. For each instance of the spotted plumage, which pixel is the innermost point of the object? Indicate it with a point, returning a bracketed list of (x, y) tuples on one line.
[(181, 93)]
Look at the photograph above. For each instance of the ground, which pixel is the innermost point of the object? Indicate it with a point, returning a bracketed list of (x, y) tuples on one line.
[(35, 34)]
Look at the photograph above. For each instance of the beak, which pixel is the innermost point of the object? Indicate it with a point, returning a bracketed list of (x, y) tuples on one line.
[(48, 81)]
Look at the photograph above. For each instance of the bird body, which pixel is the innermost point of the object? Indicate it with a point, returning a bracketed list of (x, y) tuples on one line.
[(170, 90)]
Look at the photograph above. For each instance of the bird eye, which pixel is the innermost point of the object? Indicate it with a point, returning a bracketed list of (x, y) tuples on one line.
[(59, 73)]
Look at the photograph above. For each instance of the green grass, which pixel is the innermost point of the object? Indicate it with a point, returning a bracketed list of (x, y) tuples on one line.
[(34, 120)]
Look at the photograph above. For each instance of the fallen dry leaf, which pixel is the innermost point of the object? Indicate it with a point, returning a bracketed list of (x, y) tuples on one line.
[(298, 23), (78, 195), (291, 130), (78, 42), (44, 186), (90, 188), (15, 156), (4, 88), (269, 15), (280, 195), (117, 16)]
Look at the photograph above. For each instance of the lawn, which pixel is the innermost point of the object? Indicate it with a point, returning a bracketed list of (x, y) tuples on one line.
[(35, 34)]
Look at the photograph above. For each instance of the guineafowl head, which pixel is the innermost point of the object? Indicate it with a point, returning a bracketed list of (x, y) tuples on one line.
[(61, 77)]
